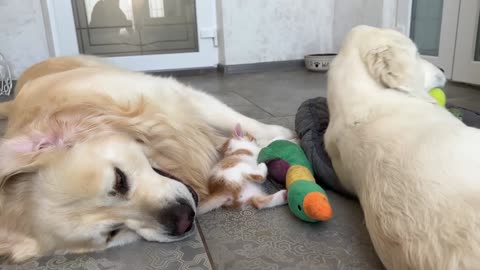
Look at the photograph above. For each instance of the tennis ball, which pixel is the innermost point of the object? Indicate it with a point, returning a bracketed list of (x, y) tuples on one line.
[(439, 96)]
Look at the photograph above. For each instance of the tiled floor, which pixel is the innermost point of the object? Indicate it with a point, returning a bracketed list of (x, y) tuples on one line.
[(249, 239)]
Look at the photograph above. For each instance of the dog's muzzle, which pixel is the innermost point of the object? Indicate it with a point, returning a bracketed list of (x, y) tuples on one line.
[(192, 191)]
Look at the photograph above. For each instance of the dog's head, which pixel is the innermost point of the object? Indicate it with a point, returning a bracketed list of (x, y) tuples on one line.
[(392, 60), (80, 184)]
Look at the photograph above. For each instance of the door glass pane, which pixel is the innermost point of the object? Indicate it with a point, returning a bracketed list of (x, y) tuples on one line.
[(426, 25), (135, 27), (477, 44)]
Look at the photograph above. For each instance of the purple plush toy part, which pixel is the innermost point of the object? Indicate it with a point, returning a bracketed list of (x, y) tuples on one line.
[(277, 170)]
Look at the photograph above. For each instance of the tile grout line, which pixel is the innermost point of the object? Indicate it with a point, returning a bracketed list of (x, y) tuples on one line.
[(205, 245), (254, 104)]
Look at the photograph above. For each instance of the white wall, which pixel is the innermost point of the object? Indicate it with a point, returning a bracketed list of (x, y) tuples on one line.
[(252, 31), (22, 33), (349, 13), (274, 30)]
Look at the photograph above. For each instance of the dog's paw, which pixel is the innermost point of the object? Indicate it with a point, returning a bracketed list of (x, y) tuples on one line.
[(24, 250), (273, 132)]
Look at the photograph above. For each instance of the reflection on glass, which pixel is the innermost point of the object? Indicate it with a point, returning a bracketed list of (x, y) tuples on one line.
[(426, 25), (156, 8), (477, 44), (135, 27)]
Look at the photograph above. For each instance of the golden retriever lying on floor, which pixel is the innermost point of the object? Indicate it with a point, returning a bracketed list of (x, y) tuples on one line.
[(95, 156), (414, 167)]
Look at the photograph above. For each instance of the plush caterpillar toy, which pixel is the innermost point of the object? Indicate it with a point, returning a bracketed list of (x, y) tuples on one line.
[(306, 199)]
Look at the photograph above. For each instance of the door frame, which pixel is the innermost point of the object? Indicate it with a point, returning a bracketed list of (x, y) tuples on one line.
[(448, 32), (62, 40)]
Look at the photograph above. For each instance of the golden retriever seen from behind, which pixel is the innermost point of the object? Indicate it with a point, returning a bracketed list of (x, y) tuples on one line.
[(413, 165)]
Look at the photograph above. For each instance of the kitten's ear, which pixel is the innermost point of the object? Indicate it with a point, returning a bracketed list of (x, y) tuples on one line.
[(238, 132)]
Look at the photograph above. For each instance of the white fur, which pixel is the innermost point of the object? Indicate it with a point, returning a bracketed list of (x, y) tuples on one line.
[(412, 164)]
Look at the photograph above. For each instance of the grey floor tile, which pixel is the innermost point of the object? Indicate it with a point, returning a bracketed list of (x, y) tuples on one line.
[(252, 111), (278, 92), (232, 99), (186, 254), (285, 121), (275, 239), (211, 82), (281, 93), (458, 90), (470, 103)]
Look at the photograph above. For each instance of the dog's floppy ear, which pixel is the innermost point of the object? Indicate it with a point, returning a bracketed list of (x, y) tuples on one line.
[(392, 66), (61, 129), (22, 154)]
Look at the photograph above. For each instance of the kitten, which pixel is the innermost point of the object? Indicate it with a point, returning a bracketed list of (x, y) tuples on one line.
[(235, 179)]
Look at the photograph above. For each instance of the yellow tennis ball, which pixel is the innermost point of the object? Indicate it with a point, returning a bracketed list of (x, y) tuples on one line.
[(439, 96)]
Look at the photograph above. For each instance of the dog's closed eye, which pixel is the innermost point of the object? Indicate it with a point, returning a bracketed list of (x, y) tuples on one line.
[(113, 232), (121, 183)]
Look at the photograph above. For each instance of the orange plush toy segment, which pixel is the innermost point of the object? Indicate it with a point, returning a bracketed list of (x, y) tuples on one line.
[(316, 206)]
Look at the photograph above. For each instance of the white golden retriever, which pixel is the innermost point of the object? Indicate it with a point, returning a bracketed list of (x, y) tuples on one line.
[(95, 156), (414, 167)]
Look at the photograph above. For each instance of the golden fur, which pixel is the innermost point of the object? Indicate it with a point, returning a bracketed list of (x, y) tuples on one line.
[(74, 121)]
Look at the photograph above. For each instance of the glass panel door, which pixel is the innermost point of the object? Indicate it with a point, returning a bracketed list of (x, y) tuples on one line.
[(432, 25), (135, 27), (426, 25), (467, 52), (145, 35)]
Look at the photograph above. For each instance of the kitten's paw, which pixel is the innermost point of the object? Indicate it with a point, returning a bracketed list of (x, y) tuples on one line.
[(257, 178), (284, 196), (280, 198), (262, 167)]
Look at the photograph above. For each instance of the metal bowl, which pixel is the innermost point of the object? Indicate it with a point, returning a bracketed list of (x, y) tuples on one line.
[(318, 62)]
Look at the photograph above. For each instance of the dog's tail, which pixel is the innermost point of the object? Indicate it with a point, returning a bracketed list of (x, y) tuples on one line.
[(5, 109)]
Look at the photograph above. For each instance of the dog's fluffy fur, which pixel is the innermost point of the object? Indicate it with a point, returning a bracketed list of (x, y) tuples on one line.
[(76, 128), (413, 165)]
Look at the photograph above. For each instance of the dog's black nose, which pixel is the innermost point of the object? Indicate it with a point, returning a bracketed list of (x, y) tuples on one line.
[(178, 218)]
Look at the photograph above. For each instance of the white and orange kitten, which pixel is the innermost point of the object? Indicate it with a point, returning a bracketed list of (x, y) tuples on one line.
[(236, 178)]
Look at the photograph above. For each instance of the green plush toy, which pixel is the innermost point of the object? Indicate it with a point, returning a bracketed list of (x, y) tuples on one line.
[(306, 199)]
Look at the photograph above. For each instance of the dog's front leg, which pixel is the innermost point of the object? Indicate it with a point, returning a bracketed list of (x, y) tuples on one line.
[(220, 116)]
